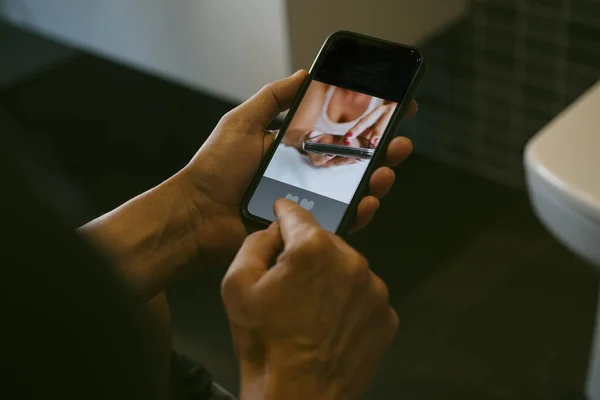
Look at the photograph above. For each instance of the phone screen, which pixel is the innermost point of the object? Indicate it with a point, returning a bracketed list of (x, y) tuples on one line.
[(351, 101)]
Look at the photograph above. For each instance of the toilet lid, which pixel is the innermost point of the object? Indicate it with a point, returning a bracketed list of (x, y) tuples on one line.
[(566, 155)]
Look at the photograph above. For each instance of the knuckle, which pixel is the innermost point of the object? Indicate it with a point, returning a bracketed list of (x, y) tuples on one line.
[(232, 119), (229, 285), (256, 236), (359, 269), (381, 291), (394, 323), (268, 87), (313, 241), (227, 119)]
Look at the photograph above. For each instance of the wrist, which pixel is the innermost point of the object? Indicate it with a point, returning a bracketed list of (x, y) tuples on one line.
[(150, 237), (214, 222)]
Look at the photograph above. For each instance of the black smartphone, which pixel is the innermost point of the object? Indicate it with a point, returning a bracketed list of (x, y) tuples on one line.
[(358, 86), (329, 144)]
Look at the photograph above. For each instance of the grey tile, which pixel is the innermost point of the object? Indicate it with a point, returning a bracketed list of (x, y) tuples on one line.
[(586, 10), (587, 56), (581, 32)]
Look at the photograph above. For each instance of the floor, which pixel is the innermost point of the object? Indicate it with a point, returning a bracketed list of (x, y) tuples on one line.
[(492, 307)]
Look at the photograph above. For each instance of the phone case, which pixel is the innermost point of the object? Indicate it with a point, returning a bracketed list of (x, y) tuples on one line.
[(378, 156)]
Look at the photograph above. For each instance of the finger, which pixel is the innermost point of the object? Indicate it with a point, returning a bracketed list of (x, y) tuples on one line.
[(269, 138), (256, 255), (375, 135), (398, 150), (412, 109), (365, 212), (319, 159), (271, 100), (367, 135), (339, 161), (381, 124), (292, 218), (382, 314), (381, 182), (394, 323), (365, 122)]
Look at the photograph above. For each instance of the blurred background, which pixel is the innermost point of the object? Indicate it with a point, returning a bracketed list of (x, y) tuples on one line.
[(111, 97)]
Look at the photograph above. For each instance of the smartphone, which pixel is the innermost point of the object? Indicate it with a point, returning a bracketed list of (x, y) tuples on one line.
[(355, 80), (328, 144)]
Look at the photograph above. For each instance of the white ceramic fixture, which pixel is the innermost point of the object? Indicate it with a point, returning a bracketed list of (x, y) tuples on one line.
[(562, 164)]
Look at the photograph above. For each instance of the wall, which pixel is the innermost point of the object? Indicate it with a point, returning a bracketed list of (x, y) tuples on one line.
[(230, 48), (498, 76), (24, 55), (407, 21), (226, 47)]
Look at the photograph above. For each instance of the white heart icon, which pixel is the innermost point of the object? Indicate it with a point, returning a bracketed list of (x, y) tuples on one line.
[(291, 197), (308, 204)]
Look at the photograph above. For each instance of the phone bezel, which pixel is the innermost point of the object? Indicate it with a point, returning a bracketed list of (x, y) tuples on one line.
[(375, 161)]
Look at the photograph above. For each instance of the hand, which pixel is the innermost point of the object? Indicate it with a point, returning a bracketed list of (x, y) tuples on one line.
[(216, 178), (313, 326), (329, 160), (372, 125)]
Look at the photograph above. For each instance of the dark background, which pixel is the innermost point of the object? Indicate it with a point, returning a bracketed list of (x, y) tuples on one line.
[(364, 65), (491, 306)]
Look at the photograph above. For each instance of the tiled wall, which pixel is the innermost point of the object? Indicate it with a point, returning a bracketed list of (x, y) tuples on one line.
[(500, 75)]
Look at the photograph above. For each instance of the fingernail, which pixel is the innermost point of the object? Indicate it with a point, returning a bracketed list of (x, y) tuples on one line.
[(376, 141), (347, 135), (329, 156), (346, 142)]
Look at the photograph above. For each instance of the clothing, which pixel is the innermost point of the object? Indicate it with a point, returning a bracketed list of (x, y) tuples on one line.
[(72, 329), (326, 125), (288, 165)]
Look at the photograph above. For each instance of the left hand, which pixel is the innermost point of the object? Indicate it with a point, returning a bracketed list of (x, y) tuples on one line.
[(214, 182)]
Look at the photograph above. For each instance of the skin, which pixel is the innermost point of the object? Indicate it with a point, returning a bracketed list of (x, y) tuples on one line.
[(345, 105), (372, 126), (309, 319), (193, 219)]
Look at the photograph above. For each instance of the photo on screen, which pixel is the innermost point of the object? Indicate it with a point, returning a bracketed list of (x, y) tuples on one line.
[(324, 153), (337, 118)]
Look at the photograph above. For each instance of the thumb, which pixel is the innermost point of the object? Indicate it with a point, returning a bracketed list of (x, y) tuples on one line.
[(257, 254), (270, 101)]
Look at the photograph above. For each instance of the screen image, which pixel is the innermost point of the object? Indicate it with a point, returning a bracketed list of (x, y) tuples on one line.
[(324, 153)]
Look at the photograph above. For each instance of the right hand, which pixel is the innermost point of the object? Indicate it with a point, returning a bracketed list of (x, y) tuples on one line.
[(309, 319)]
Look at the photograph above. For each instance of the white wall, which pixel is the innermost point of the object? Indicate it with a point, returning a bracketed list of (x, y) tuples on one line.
[(228, 47)]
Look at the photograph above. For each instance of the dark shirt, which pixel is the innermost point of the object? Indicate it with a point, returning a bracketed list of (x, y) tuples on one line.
[(69, 327)]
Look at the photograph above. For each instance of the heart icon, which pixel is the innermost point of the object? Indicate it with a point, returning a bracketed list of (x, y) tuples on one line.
[(308, 204), (291, 197)]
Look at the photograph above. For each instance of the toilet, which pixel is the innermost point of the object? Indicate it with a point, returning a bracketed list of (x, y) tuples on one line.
[(562, 168)]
